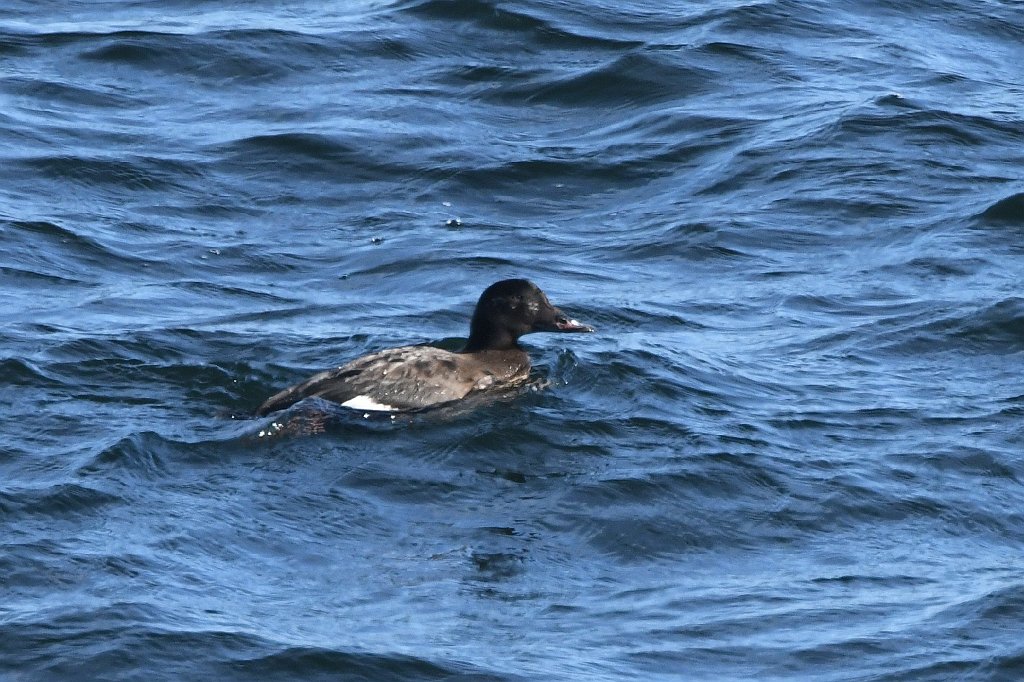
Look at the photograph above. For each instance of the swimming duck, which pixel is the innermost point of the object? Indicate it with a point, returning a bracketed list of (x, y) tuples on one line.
[(417, 377)]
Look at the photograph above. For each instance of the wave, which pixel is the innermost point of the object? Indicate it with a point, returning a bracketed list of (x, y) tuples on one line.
[(136, 174), (247, 54), (997, 328), (1007, 210), (40, 235), (20, 372), (98, 96), (58, 501), (638, 79), (518, 21), (121, 637), (314, 663)]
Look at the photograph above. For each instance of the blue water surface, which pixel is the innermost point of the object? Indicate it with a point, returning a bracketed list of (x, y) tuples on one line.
[(792, 450)]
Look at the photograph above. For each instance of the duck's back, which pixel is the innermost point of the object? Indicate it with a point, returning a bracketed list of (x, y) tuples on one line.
[(406, 378)]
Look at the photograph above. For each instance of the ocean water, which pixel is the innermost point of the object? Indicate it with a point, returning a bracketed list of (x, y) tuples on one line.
[(793, 450)]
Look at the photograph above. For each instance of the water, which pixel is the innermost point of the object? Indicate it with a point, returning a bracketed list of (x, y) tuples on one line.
[(791, 451)]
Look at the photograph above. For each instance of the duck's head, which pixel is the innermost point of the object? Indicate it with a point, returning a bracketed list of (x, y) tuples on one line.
[(511, 308)]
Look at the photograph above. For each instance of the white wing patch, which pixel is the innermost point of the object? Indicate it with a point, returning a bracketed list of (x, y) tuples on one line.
[(365, 402)]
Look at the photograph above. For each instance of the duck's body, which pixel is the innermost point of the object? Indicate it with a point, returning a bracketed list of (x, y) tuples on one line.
[(407, 378), (417, 377)]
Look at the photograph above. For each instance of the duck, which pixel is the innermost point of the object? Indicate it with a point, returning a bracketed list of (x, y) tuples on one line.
[(413, 378)]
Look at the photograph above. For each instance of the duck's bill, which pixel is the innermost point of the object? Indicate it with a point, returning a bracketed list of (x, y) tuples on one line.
[(567, 324)]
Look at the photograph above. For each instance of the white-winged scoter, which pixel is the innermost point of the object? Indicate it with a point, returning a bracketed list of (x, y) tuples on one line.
[(417, 377)]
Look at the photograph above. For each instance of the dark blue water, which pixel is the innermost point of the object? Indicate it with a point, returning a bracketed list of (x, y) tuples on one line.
[(793, 450)]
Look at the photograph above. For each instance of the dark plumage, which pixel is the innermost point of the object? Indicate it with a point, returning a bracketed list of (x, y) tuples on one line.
[(416, 377)]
